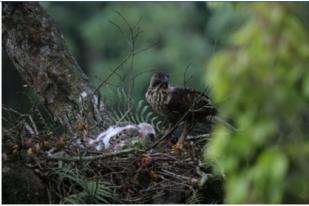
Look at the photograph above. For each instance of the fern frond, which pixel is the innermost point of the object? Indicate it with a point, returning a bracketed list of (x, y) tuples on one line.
[(93, 192), (138, 113), (143, 113), (148, 116)]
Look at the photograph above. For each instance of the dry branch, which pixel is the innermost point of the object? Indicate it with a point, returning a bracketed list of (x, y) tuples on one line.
[(94, 157)]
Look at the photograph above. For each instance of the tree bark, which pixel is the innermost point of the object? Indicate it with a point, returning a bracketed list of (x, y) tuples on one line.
[(37, 50)]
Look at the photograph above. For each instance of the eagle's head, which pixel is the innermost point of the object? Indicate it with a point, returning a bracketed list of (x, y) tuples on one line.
[(159, 80)]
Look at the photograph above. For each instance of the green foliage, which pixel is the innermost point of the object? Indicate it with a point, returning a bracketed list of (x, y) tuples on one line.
[(121, 110), (159, 24), (167, 36), (138, 144), (261, 81), (93, 191), (224, 21)]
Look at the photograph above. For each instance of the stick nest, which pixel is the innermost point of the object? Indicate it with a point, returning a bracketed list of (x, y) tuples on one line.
[(133, 175)]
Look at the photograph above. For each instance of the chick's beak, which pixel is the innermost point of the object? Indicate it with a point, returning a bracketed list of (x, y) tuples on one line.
[(151, 137)]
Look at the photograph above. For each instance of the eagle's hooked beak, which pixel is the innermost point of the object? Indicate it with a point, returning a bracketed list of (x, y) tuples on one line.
[(151, 137), (165, 81)]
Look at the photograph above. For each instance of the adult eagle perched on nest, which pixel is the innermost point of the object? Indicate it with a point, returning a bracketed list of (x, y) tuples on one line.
[(178, 104)]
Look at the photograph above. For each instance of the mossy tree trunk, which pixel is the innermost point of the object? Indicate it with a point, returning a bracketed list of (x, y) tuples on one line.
[(37, 50)]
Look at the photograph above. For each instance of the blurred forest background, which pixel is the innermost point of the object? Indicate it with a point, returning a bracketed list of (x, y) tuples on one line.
[(254, 57)]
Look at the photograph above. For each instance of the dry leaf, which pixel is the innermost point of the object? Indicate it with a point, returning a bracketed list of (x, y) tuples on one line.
[(61, 141), (30, 152), (82, 126)]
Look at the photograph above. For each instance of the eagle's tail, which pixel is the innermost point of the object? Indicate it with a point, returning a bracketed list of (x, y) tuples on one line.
[(219, 119)]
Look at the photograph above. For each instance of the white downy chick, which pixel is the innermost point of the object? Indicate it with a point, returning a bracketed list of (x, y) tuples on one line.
[(116, 137)]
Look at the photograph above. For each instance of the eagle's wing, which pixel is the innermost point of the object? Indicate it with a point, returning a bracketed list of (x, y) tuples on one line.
[(183, 99)]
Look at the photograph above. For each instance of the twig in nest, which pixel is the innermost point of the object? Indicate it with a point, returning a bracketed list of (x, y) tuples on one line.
[(125, 114), (33, 125), (112, 73), (9, 109), (180, 177), (89, 158), (195, 137), (204, 176)]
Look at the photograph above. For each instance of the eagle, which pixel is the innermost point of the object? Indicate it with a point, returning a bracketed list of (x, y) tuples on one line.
[(178, 105), (118, 136)]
